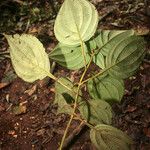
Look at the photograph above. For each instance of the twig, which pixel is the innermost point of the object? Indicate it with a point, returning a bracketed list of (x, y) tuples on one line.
[(110, 10), (73, 135), (75, 102), (53, 67), (18, 1)]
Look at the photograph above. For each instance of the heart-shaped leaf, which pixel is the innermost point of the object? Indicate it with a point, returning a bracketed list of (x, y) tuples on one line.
[(28, 57), (106, 88), (77, 20), (69, 57), (96, 111), (106, 137)]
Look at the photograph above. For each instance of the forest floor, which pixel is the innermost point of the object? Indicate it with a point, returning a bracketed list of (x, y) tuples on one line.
[(28, 117)]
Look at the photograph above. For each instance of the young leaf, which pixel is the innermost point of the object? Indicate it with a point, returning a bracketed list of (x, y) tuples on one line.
[(69, 57), (106, 88), (77, 20), (106, 137), (63, 97), (96, 111), (28, 57)]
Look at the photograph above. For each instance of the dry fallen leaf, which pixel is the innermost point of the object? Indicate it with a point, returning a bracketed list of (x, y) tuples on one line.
[(40, 132), (21, 109), (130, 108), (2, 85), (8, 78), (31, 91)]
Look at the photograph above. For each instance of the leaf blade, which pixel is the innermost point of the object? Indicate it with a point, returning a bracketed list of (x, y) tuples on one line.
[(69, 57), (76, 21), (124, 51), (96, 111), (28, 57), (126, 57), (107, 137), (106, 88), (64, 97)]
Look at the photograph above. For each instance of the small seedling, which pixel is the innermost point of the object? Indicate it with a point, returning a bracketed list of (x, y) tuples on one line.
[(117, 53)]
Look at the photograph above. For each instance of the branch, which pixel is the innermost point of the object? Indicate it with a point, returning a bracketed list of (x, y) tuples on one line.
[(73, 135)]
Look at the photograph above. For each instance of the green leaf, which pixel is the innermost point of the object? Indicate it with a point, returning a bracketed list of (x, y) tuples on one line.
[(107, 39), (98, 58), (63, 97), (67, 109), (69, 57), (28, 57), (18, 110), (126, 56), (91, 45), (106, 137), (106, 88), (77, 20), (96, 111), (124, 51)]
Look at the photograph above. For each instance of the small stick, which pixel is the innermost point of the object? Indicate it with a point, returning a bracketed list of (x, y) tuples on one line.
[(53, 67), (73, 134)]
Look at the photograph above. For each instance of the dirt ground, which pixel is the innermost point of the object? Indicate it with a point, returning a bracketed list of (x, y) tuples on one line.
[(28, 117)]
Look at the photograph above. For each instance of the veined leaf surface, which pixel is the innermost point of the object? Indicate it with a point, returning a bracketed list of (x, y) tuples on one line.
[(125, 56), (106, 137), (63, 97), (77, 20), (96, 111), (124, 51), (107, 39), (106, 88), (28, 57), (98, 58), (69, 57)]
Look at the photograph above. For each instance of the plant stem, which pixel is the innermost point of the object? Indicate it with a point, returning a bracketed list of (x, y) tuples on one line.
[(75, 132), (84, 121), (94, 76), (81, 41), (103, 71), (99, 73), (77, 95), (71, 117), (82, 46), (75, 104), (80, 82), (83, 53), (57, 80)]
